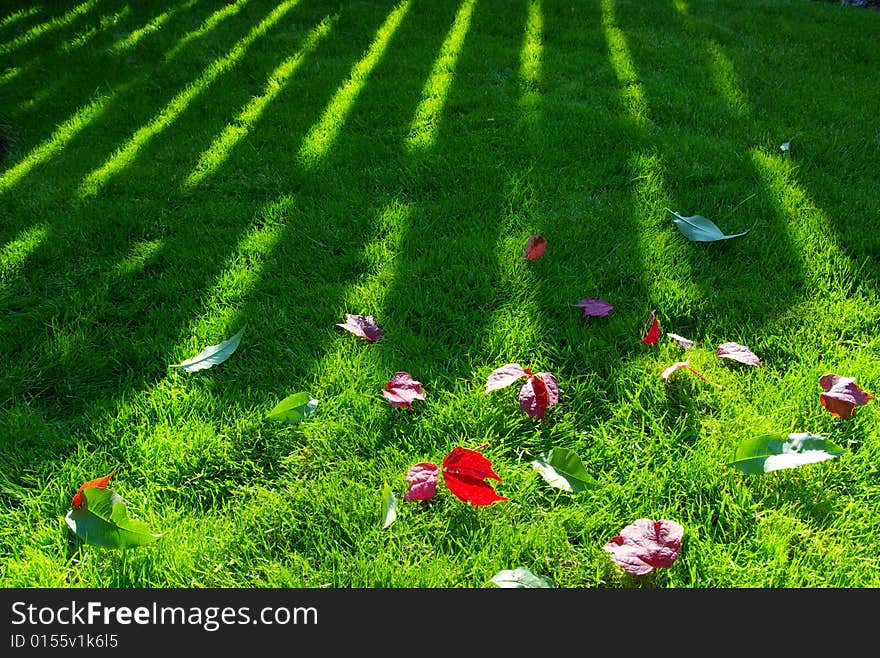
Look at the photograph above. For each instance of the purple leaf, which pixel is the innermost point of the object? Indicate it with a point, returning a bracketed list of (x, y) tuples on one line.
[(504, 376), (363, 326), (645, 545), (595, 307), (739, 353), (842, 395), (422, 480), (539, 393), (402, 390)]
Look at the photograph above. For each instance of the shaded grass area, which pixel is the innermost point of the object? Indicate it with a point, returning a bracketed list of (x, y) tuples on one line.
[(276, 165)]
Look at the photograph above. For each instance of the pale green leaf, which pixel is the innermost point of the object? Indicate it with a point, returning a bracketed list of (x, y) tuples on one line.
[(103, 520), (294, 408), (211, 355), (770, 452), (563, 469), (699, 229), (389, 506), (521, 578)]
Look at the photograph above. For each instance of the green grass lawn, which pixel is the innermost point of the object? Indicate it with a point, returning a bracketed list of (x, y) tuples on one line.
[(169, 176)]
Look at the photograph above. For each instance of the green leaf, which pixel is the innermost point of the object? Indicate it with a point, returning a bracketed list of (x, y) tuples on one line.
[(700, 229), (389, 506), (770, 452), (103, 520), (521, 578), (563, 469), (211, 355), (294, 408)]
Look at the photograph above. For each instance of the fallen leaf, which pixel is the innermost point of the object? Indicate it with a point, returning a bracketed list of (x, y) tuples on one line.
[(563, 469), (595, 307), (651, 332), (684, 342), (770, 452), (465, 472), (521, 578), (535, 247), (402, 390), (539, 393), (389, 506), (842, 395), (739, 353), (100, 483), (504, 376), (666, 374), (422, 479), (211, 355), (646, 545), (361, 325), (294, 408), (785, 147), (103, 520), (699, 229)]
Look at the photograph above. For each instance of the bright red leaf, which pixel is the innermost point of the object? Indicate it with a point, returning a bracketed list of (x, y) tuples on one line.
[(402, 390), (539, 393), (363, 326), (422, 480), (465, 473), (739, 353), (842, 395), (646, 545), (595, 307), (651, 332), (504, 376), (101, 483), (535, 247)]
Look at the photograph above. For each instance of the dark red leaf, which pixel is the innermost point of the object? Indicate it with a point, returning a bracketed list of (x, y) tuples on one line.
[(645, 545), (651, 332), (363, 326), (535, 247), (422, 480), (101, 483), (595, 307), (842, 395), (402, 390), (465, 472), (504, 376), (540, 392)]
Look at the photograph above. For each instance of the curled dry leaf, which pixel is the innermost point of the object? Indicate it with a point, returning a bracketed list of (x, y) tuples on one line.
[(465, 473), (402, 390), (666, 374), (535, 247), (595, 307), (646, 545), (651, 332), (842, 395), (422, 479), (738, 352), (686, 343), (361, 325)]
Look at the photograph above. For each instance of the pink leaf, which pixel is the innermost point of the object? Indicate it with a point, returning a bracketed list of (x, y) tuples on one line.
[(363, 326), (422, 480), (739, 353), (595, 307), (535, 247), (666, 374), (645, 545), (651, 332), (539, 393), (842, 395), (504, 376), (684, 342), (402, 390)]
